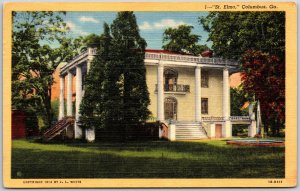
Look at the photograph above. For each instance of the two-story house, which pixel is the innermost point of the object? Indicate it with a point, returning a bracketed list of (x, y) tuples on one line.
[(190, 94)]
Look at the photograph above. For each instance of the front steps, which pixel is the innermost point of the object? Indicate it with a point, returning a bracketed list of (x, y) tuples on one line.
[(58, 128), (189, 131)]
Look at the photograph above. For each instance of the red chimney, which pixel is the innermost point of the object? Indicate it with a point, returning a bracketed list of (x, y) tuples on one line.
[(207, 53)]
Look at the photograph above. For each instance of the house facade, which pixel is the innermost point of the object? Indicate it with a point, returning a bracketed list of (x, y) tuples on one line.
[(189, 94)]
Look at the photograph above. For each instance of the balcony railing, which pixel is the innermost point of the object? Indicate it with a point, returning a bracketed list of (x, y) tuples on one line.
[(240, 118), (175, 88), (231, 118), (158, 56), (187, 58), (212, 118)]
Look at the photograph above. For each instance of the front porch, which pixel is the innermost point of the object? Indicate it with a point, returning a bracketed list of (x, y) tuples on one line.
[(207, 128)]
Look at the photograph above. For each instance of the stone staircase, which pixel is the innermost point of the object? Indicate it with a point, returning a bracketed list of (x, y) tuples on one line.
[(58, 128), (189, 131)]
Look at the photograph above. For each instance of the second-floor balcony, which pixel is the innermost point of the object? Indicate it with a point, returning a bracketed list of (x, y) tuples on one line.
[(175, 88)]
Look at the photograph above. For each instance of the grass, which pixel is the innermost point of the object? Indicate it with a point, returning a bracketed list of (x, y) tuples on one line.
[(153, 159)]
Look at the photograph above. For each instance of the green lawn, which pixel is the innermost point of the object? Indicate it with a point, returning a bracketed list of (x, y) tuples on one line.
[(156, 159)]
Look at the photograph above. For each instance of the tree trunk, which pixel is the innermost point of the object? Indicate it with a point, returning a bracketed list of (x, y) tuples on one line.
[(273, 127), (266, 125), (47, 103)]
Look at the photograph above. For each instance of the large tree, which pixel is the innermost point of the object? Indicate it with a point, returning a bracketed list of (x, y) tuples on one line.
[(91, 107), (263, 78), (181, 40), (124, 96), (257, 40), (233, 33), (34, 61)]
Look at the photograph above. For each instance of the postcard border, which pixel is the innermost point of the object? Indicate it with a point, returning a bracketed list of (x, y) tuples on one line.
[(291, 95)]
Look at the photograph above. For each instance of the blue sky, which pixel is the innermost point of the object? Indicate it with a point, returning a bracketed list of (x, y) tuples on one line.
[(151, 24)]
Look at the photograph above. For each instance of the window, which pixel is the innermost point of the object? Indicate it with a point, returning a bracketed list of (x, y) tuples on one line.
[(204, 105), (204, 79), (171, 76)]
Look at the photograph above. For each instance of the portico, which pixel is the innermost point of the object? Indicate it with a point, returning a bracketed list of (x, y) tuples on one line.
[(77, 68)]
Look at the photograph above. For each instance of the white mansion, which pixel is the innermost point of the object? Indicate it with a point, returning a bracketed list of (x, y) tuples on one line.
[(189, 94)]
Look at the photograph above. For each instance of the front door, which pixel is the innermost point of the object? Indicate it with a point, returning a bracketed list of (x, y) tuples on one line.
[(170, 108), (218, 131)]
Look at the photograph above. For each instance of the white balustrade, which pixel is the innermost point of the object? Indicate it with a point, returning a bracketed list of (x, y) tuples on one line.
[(188, 58), (212, 118), (231, 118), (240, 118), (155, 56)]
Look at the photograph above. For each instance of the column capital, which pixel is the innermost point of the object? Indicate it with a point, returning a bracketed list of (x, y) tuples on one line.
[(198, 66), (160, 64), (226, 68)]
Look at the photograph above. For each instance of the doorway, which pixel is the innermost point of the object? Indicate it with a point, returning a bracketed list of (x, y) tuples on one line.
[(170, 108), (218, 133)]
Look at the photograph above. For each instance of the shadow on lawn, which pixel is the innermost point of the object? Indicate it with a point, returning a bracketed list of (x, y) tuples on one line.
[(156, 159)]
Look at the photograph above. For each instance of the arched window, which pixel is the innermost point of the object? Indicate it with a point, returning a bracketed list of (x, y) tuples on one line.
[(171, 76)]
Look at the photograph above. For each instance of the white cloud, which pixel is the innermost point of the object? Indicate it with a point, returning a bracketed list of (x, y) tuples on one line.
[(164, 23), (88, 19), (145, 26), (75, 29)]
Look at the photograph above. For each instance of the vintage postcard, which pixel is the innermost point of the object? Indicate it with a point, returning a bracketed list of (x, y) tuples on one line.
[(149, 95)]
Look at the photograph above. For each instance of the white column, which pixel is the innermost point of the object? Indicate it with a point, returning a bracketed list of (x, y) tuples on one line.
[(198, 93), (226, 104), (225, 92), (88, 65), (69, 93), (172, 132), (78, 131), (160, 92), (212, 130), (61, 97), (90, 134), (252, 129)]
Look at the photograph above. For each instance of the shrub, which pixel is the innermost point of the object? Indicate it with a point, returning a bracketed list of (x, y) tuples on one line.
[(146, 131)]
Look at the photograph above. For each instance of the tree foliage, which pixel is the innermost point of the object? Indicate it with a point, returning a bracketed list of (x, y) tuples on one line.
[(91, 41), (181, 40), (34, 61), (121, 78), (237, 100), (91, 108), (233, 33), (257, 40), (263, 77)]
